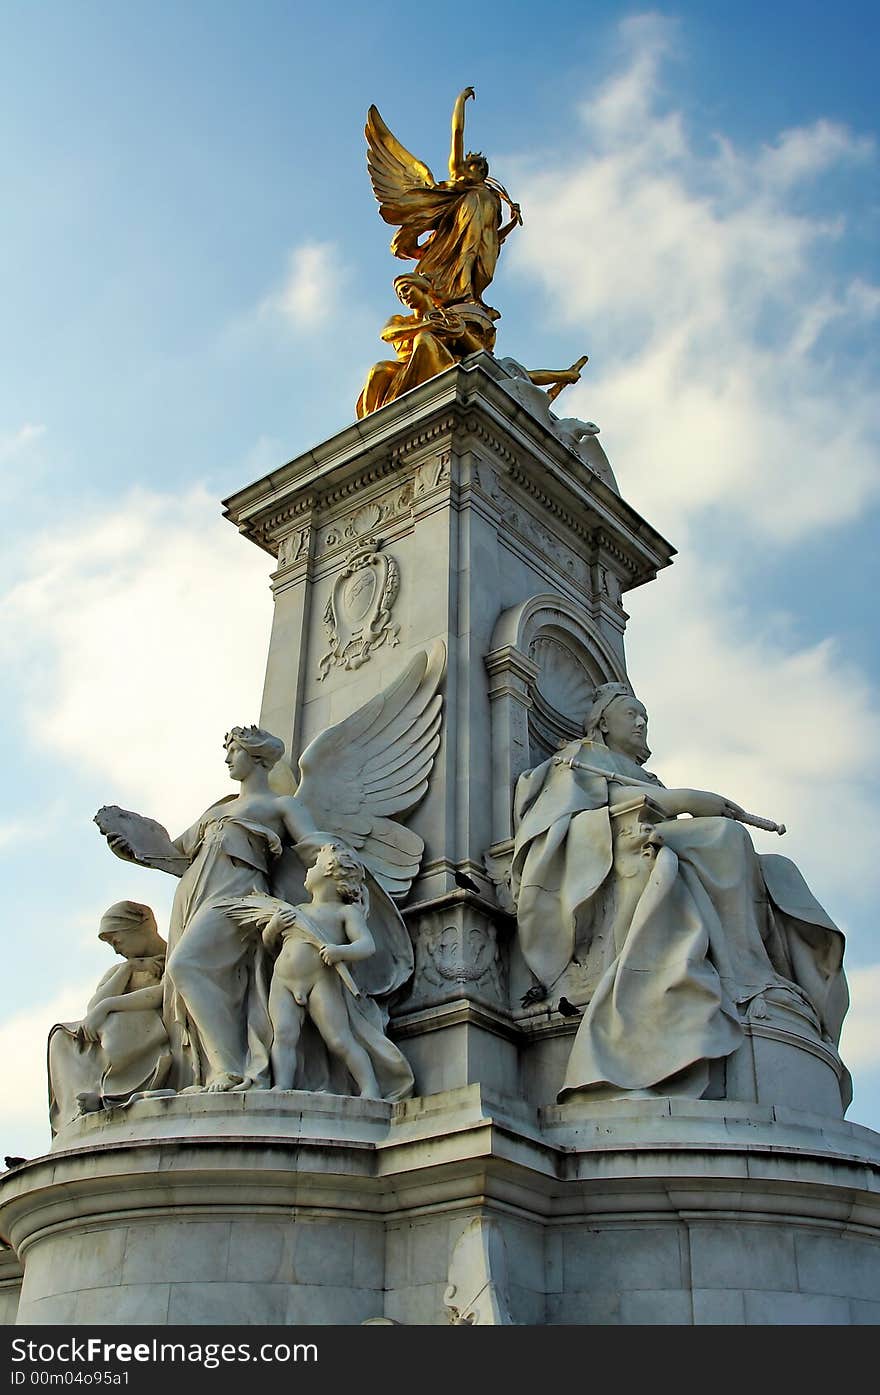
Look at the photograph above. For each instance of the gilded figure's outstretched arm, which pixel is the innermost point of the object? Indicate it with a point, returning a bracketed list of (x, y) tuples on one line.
[(456, 150), (548, 377)]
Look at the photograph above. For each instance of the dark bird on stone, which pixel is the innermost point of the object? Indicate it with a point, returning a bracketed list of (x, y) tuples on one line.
[(568, 1009), (463, 880), (536, 994), (14, 1162)]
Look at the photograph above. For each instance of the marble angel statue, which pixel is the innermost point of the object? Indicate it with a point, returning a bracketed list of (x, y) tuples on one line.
[(354, 781), (460, 218)]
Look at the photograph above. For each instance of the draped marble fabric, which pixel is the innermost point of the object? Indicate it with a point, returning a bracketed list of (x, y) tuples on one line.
[(694, 927), (132, 1054), (217, 979)]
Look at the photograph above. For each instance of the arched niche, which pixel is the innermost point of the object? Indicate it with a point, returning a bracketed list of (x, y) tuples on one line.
[(547, 659)]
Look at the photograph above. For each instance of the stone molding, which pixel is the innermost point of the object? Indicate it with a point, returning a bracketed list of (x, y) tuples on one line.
[(455, 409), (662, 1209)]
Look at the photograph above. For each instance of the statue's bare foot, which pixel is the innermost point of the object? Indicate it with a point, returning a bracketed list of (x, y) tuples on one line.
[(89, 1101), (226, 1081)]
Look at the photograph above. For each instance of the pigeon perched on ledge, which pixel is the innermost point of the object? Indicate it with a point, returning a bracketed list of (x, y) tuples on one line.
[(536, 994), (568, 1009)]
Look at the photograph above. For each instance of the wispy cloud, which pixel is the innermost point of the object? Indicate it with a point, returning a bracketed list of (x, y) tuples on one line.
[(791, 733), (14, 443), (709, 291), (137, 645), (311, 287)]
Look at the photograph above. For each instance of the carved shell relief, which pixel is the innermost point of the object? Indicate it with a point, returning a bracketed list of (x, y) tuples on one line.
[(358, 614), (563, 679), (561, 694)]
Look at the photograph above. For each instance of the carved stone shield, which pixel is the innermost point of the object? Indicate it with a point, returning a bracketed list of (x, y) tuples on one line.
[(358, 614)]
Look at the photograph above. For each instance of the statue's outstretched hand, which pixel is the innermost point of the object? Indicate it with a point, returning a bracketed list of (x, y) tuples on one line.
[(120, 846), (701, 804)]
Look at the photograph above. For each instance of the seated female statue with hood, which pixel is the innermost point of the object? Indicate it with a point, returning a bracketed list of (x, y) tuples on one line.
[(120, 1048), (689, 929)]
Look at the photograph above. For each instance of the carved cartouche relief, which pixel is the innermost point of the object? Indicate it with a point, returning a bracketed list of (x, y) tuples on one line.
[(457, 952), (358, 614)]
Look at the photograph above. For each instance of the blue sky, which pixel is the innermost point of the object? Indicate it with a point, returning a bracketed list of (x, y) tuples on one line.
[(193, 279)]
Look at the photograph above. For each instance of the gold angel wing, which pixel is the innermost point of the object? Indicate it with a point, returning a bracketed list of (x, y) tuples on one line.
[(395, 174), (405, 189), (375, 764)]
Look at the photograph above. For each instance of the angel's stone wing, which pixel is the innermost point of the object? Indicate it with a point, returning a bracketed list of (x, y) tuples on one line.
[(375, 764)]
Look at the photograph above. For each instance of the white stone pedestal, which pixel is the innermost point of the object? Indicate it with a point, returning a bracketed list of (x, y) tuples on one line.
[(453, 514), (308, 1209)]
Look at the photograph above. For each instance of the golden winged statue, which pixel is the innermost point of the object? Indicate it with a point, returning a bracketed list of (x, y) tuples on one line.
[(460, 219)]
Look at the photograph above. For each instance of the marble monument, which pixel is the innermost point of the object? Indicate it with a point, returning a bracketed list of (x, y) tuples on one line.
[(463, 1017)]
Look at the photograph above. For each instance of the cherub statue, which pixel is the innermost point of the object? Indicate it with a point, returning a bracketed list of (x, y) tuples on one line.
[(312, 979), (461, 216), (425, 341), (120, 1047), (352, 779)]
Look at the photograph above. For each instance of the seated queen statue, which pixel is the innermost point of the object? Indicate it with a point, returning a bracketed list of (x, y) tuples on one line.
[(688, 930)]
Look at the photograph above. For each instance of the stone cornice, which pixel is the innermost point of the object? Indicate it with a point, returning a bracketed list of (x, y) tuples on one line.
[(462, 405)]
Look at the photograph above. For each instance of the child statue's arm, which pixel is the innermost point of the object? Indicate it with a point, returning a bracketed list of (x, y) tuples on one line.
[(360, 941)]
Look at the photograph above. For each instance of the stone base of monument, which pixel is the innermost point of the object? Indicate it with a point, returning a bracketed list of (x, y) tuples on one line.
[(295, 1208)]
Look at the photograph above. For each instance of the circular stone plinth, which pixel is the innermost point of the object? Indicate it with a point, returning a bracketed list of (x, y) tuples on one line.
[(296, 1208)]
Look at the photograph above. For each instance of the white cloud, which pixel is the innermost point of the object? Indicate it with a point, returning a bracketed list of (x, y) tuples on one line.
[(138, 640), (311, 287), (619, 110), (706, 293), (860, 1042), (804, 152), (792, 734), (23, 1084), (12, 443)]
